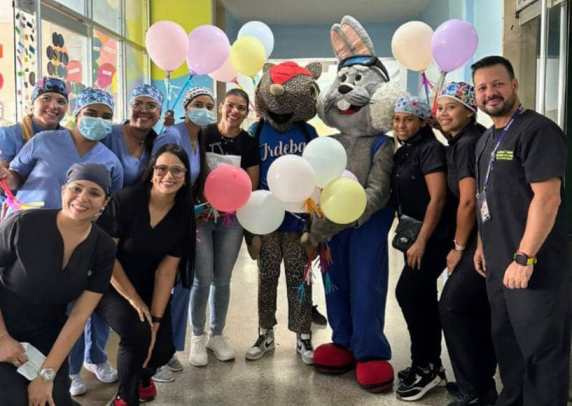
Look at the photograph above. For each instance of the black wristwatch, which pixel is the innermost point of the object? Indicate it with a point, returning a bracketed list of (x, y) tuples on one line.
[(523, 259), (156, 319)]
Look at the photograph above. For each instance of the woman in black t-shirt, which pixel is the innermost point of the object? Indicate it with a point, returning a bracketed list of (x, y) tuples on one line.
[(219, 239), (464, 306), (419, 190), (48, 259), (153, 223)]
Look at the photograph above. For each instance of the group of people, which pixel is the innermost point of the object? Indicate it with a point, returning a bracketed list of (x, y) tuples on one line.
[(126, 240)]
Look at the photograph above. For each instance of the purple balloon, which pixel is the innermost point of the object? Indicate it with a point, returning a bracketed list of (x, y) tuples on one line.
[(454, 43), (208, 49)]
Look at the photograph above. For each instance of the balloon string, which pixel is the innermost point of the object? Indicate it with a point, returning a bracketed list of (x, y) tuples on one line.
[(187, 82), (438, 89), (426, 85), (312, 208)]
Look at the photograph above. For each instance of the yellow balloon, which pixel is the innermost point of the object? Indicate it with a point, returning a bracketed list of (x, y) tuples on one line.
[(247, 55), (343, 200)]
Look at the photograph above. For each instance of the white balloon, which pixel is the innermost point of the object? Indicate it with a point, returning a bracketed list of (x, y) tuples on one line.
[(349, 175), (300, 207), (411, 45), (291, 179), (328, 158), (261, 31), (262, 214)]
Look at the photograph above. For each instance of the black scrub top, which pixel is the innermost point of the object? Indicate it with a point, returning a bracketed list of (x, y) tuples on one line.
[(421, 155), (242, 145), (141, 248), (532, 150), (34, 289), (461, 164)]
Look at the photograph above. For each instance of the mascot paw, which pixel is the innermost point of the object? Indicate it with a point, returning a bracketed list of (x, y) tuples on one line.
[(333, 359), (375, 376)]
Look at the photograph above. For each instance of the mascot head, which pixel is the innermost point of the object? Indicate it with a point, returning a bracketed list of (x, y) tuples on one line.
[(287, 93), (360, 100)]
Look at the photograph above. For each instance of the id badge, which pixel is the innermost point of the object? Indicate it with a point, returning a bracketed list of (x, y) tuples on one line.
[(483, 207)]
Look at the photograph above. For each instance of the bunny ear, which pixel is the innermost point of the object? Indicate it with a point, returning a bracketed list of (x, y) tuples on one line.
[(340, 44), (357, 37)]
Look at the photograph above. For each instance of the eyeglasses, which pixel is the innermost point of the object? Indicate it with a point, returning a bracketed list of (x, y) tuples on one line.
[(175, 170), (365, 60), (144, 106)]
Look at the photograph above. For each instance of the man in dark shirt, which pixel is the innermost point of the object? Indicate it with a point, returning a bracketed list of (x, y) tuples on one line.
[(521, 162)]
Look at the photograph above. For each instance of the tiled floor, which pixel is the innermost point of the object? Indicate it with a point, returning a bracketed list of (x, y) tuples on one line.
[(280, 378)]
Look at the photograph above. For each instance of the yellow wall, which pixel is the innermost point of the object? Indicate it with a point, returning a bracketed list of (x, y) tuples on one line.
[(188, 13)]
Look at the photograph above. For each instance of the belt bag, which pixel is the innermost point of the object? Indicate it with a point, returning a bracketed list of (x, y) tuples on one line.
[(406, 233)]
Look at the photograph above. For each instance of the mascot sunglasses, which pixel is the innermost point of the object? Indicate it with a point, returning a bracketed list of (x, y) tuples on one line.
[(365, 60)]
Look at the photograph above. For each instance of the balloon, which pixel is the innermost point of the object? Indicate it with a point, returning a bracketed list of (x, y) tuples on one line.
[(453, 44), (246, 84), (411, 45), (247, 55), (208, 49), (349, 175), (291, 179), (262, 214), (167, 44), (227, 188), (260, 31), (343, 201), (300, 207), (226, 73), (327, 157)]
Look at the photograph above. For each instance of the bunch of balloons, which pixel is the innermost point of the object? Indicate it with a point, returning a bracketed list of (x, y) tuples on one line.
[(299, 184), (416, 46)]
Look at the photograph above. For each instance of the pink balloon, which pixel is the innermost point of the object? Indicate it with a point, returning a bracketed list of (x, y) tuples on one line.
[(167, 44), (226, 73), (454, 43), (228, 188), (208, 49)]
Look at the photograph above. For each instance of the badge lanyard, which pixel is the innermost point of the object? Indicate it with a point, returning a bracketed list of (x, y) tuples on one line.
[(482, 195)]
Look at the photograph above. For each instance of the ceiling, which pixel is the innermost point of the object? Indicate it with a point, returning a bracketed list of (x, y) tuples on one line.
[(324, 11)]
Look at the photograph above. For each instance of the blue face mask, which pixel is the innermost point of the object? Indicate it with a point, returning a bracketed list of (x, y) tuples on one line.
[(94, 128), (201, 116)]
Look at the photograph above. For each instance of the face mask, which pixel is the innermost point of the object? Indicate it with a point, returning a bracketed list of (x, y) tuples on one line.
[(94, 128), (201, 116)]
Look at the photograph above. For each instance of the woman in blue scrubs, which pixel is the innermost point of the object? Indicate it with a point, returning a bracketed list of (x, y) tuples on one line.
[(132, 141), (38, 173), (49, 105)]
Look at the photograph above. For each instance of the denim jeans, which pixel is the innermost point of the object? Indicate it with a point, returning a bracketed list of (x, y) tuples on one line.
[(90, 346), (180, 315), (218, 244)]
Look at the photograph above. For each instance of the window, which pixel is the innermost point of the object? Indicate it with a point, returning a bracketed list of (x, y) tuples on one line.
[(136, 69), (136, 18), (108, 14), (106, 57), (76, 5)]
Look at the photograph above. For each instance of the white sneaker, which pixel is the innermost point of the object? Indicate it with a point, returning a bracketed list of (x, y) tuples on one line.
[(175, 365), (221, 348), (163, 375), (263, 344), (77, 387), (305, 349), (103, 372), (198, 355)]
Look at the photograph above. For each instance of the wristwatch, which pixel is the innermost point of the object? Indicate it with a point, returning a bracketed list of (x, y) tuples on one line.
[(47, 374), (523, 259), (458, 247)]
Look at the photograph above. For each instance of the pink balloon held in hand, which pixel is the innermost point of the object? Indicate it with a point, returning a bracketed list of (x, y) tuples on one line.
[(227, 188), (454, 43)]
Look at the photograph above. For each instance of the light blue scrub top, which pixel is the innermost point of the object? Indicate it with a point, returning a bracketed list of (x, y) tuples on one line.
[(133, 167), (12, 140), (45, 159), (179, 134)]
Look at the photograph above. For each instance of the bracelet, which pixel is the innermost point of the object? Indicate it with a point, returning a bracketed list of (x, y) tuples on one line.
[(156, 319), (458, 247)]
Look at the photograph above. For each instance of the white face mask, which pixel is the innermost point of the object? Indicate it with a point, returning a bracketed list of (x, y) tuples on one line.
[(94, 128), (201, 116)]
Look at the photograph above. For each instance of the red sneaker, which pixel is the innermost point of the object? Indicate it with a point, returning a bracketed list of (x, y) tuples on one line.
[(375, 376), (333, 359), (147, 393), (119, 402)]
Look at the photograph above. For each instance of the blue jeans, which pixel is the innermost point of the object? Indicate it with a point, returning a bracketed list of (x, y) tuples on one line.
[(180, 315), (90, 346), (218, 244)]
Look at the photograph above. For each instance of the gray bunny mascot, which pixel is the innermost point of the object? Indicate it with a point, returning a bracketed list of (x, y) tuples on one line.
[(360, 105)]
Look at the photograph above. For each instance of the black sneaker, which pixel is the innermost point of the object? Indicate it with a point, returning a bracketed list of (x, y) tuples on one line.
[(305, 349), (318, 318), (418, 382), (466, 400), (263, 344), (442, 374)]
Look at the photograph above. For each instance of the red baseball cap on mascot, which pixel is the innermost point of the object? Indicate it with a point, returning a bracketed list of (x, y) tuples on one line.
[(285, 71)]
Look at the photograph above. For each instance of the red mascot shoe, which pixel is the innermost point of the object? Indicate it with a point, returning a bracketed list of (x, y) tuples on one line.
[(333, 359), (374, 376), (147, 393)]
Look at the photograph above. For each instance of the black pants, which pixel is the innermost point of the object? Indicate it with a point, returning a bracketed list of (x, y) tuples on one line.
[(531, 335), (416, 293), (14, 387), (135, 338), (466, 321)]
